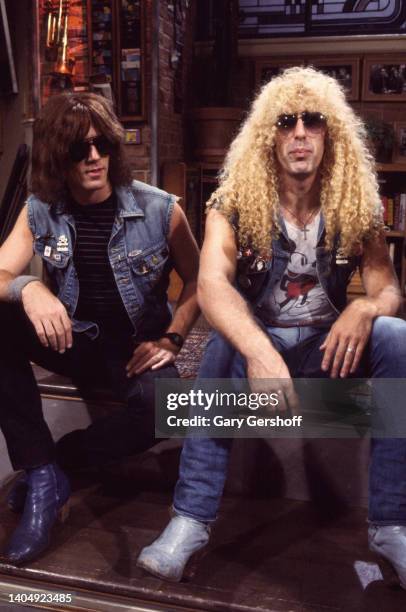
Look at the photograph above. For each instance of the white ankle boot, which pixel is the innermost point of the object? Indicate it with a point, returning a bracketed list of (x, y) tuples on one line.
[(389, 541), (169, 554)]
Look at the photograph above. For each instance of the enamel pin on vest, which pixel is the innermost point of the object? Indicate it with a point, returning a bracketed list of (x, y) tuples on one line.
[(62, 245)]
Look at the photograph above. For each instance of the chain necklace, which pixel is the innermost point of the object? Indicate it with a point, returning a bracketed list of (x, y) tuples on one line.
[(304, 223)]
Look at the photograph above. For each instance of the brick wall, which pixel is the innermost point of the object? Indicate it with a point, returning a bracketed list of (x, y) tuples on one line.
[(140, 155), (170, 132), (171, 123)]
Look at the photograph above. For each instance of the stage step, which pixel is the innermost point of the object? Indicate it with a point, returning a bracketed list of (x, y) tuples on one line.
[(21, 594), (265, 555)]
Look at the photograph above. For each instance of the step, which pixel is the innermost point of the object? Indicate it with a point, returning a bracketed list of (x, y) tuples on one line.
[(265, 555)]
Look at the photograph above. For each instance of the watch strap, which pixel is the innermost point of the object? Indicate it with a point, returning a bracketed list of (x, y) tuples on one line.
[(175, 338)]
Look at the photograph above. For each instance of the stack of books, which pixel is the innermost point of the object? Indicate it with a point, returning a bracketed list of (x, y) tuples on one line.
[(394, 212)]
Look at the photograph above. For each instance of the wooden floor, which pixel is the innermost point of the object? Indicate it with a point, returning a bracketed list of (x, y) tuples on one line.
[(266, 554)]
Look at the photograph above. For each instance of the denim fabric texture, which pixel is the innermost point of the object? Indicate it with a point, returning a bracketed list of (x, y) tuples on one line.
[(204, 461), (139, 256), (138, 253)]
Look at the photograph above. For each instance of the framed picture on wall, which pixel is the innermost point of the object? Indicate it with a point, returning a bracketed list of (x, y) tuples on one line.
[(266, 69), (344, 69), (384, 78), (399, 154)]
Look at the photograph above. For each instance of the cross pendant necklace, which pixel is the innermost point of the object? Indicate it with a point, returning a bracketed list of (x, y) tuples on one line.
[(304, 223)]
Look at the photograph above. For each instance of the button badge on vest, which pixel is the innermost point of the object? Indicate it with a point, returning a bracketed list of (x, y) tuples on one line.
[(62, 245)]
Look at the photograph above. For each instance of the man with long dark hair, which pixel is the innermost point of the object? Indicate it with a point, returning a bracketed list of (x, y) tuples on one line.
[(107, 244)]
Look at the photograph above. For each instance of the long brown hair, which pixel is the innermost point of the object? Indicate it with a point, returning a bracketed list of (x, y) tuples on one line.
[(64, 119)]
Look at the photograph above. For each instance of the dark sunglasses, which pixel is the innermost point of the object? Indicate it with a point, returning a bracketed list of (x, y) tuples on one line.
[(80, 150), (314, 122)]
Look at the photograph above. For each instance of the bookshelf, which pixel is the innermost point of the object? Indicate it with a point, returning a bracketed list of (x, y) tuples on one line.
[(392, 180)]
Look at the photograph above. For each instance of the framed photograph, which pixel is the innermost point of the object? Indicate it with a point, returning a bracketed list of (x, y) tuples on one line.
[(384, 78), (266, 69), (344, 69), (399, 153)]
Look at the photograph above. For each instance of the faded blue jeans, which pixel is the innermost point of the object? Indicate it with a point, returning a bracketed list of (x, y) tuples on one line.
[(204, 461)]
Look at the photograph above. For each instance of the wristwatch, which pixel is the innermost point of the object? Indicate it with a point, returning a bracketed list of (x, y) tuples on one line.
[(175, 338)]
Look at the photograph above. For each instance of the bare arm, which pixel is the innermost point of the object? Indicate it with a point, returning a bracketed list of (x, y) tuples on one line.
[(227, 311), (45, 311), (185, 254), (15, 254), (350, 333), (383, 294)]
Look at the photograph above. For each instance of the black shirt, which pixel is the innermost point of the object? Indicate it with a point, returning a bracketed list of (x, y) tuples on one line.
[(99, 298)]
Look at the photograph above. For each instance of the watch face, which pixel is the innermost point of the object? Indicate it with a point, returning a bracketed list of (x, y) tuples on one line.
[(175, 338)]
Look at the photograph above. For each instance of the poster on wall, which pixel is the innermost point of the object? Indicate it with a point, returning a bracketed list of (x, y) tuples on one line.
[(345, 69), (384, 78), (266, 69)]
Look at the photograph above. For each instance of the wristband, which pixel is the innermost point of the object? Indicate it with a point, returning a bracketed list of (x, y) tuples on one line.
[(176, 339), (16, 286)]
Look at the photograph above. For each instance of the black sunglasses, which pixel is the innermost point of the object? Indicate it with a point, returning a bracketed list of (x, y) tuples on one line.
[(314, 122), (80, 149)]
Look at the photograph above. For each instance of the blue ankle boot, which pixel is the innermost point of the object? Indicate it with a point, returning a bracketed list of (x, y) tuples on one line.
[(47, 493)]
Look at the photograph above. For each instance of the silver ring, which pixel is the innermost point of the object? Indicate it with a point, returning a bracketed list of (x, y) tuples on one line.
[(350, 349)]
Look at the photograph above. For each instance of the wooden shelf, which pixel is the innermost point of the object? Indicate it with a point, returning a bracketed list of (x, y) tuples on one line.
[(391, 167), (394, 234)]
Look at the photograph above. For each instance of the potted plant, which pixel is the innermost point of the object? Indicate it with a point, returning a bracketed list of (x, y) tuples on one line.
[(215, 119), (382, 138)]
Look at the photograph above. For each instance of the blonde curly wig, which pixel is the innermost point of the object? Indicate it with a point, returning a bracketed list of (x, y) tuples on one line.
[(248, 186)]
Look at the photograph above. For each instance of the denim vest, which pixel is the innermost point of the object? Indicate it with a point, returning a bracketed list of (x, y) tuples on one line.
[(334, 271), (138, 252)]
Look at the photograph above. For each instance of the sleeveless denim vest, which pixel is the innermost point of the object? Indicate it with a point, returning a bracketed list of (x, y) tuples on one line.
[(333, 270), (138, 252)]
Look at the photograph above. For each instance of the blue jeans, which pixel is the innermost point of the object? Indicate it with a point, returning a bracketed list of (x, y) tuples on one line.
[(204, 461)]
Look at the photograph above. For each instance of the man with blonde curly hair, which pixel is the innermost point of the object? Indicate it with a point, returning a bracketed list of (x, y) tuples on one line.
[(296, 212)]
